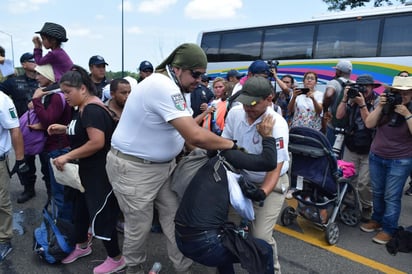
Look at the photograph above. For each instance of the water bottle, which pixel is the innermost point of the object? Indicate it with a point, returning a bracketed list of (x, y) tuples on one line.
[(157, 266), (215, 128)]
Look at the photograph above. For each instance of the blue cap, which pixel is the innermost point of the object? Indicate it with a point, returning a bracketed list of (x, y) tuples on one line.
[(27, 57), (97, 60), (234, 73), (145, 65), (259, 67)]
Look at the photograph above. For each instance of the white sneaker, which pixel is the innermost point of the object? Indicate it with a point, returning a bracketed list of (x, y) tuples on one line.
[(289, 193)]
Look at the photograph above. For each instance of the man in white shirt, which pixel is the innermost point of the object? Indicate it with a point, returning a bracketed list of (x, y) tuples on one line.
[(10, 135), (256, 97), (155, 123)]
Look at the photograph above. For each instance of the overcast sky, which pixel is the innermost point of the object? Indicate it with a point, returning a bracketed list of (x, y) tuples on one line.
[(152, 28)]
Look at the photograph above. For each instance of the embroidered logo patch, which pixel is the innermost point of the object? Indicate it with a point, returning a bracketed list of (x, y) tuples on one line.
[(179, 101), (279, 143), (12, 112)]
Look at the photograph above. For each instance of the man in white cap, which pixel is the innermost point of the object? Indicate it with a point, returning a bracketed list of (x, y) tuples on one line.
[(333, 95)]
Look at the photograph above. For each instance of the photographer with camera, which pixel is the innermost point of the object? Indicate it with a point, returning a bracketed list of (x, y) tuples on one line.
[(357, 102), (390, 158), (306, 103), (333, 94)]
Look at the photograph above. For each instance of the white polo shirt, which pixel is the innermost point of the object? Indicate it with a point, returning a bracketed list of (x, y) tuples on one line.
[(144, 130), (8, 120), (247, 136)]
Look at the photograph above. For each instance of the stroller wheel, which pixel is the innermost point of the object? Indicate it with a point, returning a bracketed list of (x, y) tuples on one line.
[(350, 216), (288, 215), (332, 233)]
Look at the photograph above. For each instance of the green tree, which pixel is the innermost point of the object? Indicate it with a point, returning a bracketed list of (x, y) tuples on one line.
[(343, 4)]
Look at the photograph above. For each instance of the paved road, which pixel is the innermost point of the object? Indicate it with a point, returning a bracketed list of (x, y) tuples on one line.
[(302, 247)]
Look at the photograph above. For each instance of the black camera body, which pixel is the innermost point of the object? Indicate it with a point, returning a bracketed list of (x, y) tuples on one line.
[(392, 99), (355, 89), (273, 64)]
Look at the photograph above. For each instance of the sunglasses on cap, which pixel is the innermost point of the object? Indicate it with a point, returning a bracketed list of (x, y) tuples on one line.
[(196, 74)]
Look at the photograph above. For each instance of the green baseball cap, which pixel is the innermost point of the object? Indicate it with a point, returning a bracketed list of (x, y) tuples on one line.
[(254, 89)]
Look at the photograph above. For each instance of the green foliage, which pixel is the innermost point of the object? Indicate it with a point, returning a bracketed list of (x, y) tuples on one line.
[(109, 74), (118, 74), (343, 4)]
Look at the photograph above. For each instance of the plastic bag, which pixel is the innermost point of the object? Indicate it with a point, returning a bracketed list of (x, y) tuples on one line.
[(240, 203)]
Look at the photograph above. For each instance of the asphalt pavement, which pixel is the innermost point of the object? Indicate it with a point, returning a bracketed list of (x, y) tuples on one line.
[(302, 247)]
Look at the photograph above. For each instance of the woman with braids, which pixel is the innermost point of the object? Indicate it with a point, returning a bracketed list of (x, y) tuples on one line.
[(90, 133)]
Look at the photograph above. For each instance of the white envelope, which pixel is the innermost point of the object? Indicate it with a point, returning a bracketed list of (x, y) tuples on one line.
[(69, 176)]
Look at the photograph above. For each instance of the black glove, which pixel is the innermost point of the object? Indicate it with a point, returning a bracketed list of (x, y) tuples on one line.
[(251, 191), (20, 167)]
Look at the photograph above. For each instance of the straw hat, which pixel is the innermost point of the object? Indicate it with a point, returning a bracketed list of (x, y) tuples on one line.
[(401, 83)]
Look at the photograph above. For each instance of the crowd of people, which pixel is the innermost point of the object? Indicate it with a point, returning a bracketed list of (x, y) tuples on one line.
[(127, 143)]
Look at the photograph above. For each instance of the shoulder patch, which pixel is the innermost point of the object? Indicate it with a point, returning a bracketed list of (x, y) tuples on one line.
[(179, 101), (279, 143), (12, 112)]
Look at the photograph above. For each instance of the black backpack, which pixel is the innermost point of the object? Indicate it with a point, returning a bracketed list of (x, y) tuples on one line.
[(400, 242)]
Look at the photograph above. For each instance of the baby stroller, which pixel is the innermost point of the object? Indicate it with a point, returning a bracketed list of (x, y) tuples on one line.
[(321, 189)]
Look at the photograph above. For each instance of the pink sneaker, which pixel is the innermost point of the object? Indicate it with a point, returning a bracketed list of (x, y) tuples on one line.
[(77, 253), (110, 266)]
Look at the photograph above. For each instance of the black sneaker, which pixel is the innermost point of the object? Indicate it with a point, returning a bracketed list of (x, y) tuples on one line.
[(5, 249)]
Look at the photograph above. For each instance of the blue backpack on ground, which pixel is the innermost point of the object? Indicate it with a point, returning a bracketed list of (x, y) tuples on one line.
[(51, 241)]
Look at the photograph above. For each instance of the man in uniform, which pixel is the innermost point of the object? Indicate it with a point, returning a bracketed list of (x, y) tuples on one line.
[(155, 123), (256, 101), (201, 96), (97, 67), (21, 90), (145, 70), (10, 135)]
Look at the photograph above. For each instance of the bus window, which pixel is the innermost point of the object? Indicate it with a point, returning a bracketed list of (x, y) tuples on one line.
[(347, 39), (241, 45), (288, 43), (210, 44), (397, 36)]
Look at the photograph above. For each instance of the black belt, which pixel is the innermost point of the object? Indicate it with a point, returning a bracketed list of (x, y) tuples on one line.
[(132, 158), (3, 157), (186, 235)]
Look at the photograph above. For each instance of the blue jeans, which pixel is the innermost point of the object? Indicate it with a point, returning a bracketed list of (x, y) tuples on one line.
[(388, 177), (65, 208), (208, 249)]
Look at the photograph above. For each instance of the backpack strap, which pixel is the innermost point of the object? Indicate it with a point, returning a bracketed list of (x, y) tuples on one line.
[(59, 237)]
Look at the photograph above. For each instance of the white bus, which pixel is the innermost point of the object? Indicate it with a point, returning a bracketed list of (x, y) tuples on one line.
[(377, 41)]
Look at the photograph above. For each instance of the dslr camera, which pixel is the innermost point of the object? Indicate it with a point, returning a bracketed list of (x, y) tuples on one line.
[(392, 99), (355, 89), (273, 64)]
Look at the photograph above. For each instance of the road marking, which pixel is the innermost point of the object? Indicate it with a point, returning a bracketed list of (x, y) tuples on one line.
[(317, 241)]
